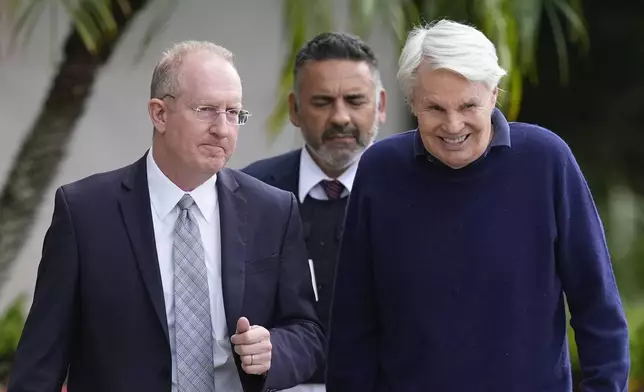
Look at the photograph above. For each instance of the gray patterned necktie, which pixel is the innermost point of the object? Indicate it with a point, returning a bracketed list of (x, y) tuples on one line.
[(193, 327)]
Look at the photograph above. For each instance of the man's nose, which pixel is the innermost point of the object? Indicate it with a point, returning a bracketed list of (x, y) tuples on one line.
[(220, 127), (454, 123), (341, 114)]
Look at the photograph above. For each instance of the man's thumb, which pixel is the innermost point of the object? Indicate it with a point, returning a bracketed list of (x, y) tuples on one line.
[(243, 325)]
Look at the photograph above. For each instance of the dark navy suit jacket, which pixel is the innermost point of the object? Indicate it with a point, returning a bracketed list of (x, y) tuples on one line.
[(281, 171), (98, 307)]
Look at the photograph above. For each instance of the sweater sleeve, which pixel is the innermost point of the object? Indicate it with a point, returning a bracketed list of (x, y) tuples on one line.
[(586, 273), (352, 354)]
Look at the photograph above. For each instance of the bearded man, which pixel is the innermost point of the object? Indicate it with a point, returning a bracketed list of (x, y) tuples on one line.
[(338, 103)]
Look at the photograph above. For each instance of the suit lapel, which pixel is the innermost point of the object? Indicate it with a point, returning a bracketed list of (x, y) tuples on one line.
[(287, 175), (233, 214), (137, 215)]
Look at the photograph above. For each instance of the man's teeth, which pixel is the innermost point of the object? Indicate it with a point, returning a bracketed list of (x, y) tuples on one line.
[(454, 140)]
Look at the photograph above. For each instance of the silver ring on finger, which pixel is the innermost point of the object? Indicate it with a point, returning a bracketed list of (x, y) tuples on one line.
[(252, 359)]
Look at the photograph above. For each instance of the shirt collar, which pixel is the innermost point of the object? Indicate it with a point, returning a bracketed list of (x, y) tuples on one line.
[(311, 175), (501, 137), (164, 194)]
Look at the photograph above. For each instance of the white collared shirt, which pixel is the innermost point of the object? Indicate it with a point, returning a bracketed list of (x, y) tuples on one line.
[(164, 196), (311, 175)]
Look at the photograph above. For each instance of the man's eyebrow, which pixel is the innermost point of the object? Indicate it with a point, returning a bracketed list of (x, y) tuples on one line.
[(470, 101), (355, 95), (321, 97)]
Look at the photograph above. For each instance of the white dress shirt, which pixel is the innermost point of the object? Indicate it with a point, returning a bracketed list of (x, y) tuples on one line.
[(309, 185), (164, 196), (311, 175)]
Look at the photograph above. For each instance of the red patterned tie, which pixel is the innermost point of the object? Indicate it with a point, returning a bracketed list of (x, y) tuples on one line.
[(333, 188)]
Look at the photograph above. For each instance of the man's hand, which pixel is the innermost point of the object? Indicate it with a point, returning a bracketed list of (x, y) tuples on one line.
[(253, 344)]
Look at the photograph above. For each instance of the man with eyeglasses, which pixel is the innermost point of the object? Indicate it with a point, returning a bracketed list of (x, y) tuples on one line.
[(174, 273)]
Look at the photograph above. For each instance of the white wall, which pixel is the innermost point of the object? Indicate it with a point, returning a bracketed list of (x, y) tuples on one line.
[(115, 129)]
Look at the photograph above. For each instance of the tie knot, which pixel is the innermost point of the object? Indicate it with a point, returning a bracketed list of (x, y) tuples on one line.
[(332, 188), (186, 202)]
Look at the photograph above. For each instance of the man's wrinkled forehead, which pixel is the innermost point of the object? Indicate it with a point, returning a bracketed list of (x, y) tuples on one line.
[(334, 74), (441, 86)]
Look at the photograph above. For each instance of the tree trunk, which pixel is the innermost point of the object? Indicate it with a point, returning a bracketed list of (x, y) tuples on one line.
[(44, 147)]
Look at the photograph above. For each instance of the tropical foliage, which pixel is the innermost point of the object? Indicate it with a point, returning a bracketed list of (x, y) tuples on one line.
[(98, 25), (513, 25)]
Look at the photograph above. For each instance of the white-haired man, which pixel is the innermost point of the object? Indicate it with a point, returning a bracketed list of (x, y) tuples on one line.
[(462, 237)]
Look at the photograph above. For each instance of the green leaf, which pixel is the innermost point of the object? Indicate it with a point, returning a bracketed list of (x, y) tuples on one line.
[(362, 13), (93, 20), (402, 14), (27, 19), (572, 13), (303, 20), (101, 13), (159, 23), (11, 325), (527, 16), (85, 26), (560, 42), (513, 26)]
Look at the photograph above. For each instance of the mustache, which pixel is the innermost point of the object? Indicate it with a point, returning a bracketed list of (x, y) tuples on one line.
[(341, 131)]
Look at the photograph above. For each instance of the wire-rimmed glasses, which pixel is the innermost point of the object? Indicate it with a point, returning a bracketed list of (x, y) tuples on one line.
[(210, 114)]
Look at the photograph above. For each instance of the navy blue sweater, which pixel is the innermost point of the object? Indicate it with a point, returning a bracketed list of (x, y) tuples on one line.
[(454, 280)]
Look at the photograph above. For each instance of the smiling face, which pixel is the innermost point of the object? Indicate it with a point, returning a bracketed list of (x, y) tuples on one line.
[(454, 115), (337, 111), (187, 149)]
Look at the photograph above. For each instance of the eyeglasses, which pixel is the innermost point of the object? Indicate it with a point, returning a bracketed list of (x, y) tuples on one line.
[(210, 114)]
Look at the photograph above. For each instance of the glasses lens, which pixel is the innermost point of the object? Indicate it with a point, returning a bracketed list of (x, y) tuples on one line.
[(243, 117)]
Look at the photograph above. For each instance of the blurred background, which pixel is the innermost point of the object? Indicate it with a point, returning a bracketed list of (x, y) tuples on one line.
[(74, 84)]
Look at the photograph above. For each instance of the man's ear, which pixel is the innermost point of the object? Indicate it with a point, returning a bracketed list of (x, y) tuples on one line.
[(158, 114), (293, 110), (411, 102), (382, 106)]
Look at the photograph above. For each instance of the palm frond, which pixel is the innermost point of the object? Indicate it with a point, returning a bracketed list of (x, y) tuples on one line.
[(568, 10), (93, 20), (528, 13), (21, 17), (303, 20), (401, 14), (560, 40), (8, 11), (497, 21), (513, 26), (159, 23), (362, 14)]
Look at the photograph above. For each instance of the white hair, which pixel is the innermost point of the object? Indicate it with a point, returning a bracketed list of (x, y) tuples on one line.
[(453, 46), (164, 76)]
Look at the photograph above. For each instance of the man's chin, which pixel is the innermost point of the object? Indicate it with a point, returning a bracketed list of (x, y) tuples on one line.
[(342, 162), (213, 164)]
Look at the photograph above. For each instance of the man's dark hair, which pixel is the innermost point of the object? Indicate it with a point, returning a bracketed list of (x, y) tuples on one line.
[(336, 46)]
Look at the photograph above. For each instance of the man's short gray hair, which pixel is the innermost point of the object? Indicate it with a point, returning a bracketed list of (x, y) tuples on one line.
[(164, 77), (453, 46)]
